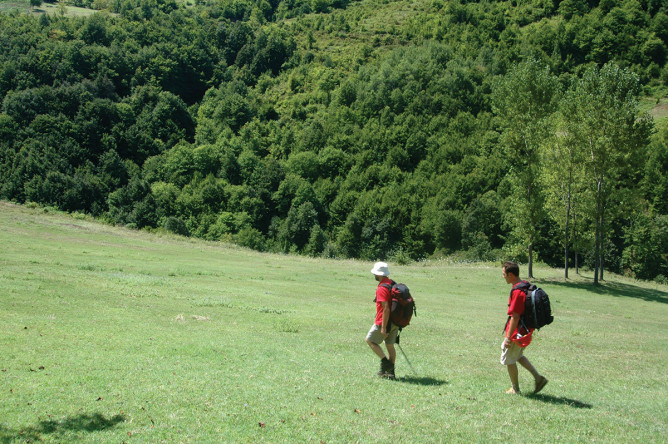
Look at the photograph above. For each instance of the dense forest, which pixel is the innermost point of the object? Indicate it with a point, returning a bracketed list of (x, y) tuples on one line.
[(373, 129)]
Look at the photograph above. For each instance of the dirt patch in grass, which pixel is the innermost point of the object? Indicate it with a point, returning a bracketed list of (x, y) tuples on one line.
[(46, 8), (660, 111), (660, 114), (70, 11), (22, 6)]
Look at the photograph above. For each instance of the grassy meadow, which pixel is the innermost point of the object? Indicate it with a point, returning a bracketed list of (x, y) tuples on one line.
[(114, 335), (8, 6)]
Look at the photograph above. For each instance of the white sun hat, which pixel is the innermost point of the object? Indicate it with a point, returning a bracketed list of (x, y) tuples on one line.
[(380, 269)]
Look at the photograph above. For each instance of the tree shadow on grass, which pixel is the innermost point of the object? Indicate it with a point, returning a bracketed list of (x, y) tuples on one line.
[(560, 400), (424, 380), (617, 289), (59, 429)]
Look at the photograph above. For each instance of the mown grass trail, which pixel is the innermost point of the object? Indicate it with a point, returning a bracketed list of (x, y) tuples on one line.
[(114, 335)]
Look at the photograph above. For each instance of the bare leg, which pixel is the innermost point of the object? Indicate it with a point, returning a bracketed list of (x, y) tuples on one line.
[(514, 380), (527, 365), (376, 349), (539, 379), (391, 352)]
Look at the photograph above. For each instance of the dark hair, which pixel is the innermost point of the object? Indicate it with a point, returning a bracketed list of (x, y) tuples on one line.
[(511, 267)]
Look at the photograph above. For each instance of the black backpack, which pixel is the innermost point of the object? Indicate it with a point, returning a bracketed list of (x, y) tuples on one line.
[(403, 304), (537, 311)]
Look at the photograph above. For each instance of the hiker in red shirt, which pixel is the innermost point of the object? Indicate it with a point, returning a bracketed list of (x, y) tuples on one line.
[(383, 330), (516, 336)]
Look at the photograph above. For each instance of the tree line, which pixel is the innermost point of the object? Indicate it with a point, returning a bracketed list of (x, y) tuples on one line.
[(472, 129)]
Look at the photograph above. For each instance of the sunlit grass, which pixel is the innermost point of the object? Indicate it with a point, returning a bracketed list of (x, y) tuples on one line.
[(658, 109), (54, 8), (113, 335)]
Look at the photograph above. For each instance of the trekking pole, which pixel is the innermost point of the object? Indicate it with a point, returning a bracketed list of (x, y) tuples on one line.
[(406, 358)]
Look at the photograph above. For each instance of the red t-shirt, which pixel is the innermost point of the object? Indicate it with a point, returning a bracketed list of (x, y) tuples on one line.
[(382, 295), (516, 305)]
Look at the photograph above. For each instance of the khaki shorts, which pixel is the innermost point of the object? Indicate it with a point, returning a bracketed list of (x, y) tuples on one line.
[(376, 337), (512, 354)]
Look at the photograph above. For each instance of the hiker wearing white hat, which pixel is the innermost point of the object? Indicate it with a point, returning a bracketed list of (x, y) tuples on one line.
[(383, 330)]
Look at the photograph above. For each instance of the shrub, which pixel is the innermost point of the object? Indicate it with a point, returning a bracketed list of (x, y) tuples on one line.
[(176, 226)]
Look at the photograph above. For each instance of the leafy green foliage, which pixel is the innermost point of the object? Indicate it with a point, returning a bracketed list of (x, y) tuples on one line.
[(524, 99), (347, 129)]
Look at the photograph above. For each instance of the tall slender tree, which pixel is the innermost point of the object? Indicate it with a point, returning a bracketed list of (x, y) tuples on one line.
[(523, 100), (601, 112), (562, 174)]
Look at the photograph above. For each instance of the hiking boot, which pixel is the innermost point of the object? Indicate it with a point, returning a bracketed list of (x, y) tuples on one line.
[(540, 383), (386, 369), (385, 365), (389, 374)]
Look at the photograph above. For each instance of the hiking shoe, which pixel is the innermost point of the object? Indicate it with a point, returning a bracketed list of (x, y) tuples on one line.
[(512, 391), (389, 374), (540, 383), (385, 366)]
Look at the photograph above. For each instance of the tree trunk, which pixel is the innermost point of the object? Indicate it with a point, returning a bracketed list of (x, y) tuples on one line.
[(601, 260), (597, 231), (531, 222), (566, 261), (596, 256), (530, 262), (575, 242), (601, 248), (531, 258), (568, 216)]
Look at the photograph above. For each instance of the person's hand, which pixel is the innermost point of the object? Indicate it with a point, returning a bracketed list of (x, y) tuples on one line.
[(383, 332), (507, 342)]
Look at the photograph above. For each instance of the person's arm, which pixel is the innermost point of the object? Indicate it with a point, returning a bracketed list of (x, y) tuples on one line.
[(512, 326), (386, 317)]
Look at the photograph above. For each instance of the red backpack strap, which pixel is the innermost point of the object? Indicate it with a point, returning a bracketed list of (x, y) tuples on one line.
[(388, 286)]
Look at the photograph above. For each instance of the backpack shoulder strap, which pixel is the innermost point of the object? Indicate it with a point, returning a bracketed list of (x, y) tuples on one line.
[(524, 286), (389, 286)]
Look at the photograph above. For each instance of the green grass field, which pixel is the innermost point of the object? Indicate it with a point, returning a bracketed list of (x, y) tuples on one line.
[(15, 5), (46, 8), (658, 109), (114, 335)]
